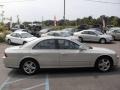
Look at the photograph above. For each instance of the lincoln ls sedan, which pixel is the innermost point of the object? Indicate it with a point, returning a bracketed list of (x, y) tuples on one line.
[(58, 52)]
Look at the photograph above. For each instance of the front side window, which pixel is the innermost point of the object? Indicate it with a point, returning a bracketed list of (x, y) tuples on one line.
[(66, 44), (46, 44), (85, 32)]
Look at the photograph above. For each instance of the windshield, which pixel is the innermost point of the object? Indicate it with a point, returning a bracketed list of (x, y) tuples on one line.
[(26, 35)]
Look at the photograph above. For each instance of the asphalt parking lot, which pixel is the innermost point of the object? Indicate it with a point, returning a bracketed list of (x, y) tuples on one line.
[(61, 79)]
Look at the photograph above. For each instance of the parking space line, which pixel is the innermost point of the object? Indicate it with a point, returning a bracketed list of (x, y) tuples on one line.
[(46, 83), (34, 86), (15, 81), (4, 83)]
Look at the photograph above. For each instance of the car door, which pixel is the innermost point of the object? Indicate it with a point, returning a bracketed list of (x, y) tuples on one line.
[(84, 35), (19, 39), (117, 34), (71, 56), (46, 53), (14, 38), (92, 36)]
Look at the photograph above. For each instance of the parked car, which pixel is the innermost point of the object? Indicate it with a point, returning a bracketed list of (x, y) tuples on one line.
[(83, 27), (43, 31), (62, 33), (19, 37), (93, 35), (58, 52), (14, 29), (24, 30), (69, 30), (34, 29), (115, 32)]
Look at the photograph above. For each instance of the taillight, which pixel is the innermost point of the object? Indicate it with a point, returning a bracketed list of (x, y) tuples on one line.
[(5, 54)]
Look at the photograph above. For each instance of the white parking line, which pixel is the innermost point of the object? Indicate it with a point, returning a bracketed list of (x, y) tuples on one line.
[(4, 83), (46, 83), (34, 86), (15, 81)]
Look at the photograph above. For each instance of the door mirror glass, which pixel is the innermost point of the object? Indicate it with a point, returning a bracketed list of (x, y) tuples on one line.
[(82, 47)]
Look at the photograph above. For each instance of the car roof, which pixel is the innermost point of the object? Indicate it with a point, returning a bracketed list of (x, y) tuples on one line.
[(20, 32)]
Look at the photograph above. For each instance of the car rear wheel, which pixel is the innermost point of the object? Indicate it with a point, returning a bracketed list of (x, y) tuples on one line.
[(29, 67), (24, 42), (9, 41), (80, 39), (113, 37), (102, 41), (104, 64)]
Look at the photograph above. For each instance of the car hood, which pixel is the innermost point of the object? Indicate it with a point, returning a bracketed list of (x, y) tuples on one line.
[(103, 50), (30, 39)]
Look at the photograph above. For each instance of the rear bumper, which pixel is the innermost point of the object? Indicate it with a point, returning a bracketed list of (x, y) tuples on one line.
[(10, 62)]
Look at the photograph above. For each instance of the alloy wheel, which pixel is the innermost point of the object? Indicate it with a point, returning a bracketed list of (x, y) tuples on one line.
[(102, 41), (29, 67), (104, 64)]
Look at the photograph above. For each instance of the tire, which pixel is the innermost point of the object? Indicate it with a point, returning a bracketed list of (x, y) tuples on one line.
[(9, 41), (102, 41), (80, 39), (104, 64), (29, 67), (113, 37), (24, 42)]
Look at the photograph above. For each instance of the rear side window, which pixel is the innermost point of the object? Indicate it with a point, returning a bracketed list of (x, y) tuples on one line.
[(14, 35), (46, 44), (66, 44)]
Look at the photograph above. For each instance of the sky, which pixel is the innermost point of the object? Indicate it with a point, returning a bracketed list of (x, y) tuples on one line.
[(34, 10)]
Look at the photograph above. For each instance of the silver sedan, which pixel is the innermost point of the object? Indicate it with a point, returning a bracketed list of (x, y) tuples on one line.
[(115, 32), (94, 36), (57, 52)]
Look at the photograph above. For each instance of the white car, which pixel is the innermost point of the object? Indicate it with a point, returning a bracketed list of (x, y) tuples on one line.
[(65, 34), (43, 31), (115, 32), (58, 52), (93, 35), (19, 37)]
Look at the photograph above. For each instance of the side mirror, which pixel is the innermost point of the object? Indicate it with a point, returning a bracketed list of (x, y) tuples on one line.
[(96, 34), (82, 48)]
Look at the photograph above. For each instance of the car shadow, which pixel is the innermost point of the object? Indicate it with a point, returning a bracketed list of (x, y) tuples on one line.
[(63, 73)]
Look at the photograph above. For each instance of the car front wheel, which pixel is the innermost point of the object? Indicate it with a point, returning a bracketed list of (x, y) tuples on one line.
[(104, 64), (29, 67), (102, 41)]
